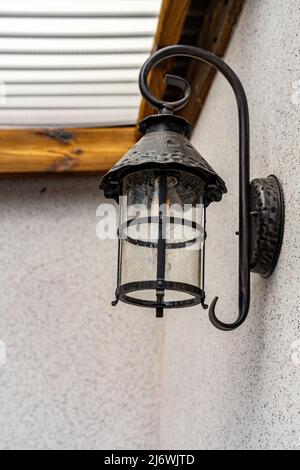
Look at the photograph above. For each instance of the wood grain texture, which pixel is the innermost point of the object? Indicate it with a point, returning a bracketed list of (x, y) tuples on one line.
[(170, 28), (214, 35), (60, 151)]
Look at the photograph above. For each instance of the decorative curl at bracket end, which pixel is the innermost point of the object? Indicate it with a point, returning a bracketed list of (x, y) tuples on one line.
[(170, 80), (183, 85)]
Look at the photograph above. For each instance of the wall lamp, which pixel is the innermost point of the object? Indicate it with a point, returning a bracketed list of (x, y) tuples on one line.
[(161, 260)]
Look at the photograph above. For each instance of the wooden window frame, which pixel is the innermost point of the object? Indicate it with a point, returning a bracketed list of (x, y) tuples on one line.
[(95, 150)]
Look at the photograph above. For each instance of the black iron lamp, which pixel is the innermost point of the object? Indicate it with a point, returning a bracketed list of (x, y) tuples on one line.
[(164, 187)]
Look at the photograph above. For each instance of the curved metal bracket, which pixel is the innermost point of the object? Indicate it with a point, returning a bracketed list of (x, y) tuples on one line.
[(244, 157)]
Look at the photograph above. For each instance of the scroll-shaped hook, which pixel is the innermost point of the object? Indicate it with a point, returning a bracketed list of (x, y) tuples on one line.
[(227, 326), (172, 80), (183, 85), (244, 173)]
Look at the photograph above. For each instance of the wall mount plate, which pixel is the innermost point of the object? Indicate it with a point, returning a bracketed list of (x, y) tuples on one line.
[(267, 224)]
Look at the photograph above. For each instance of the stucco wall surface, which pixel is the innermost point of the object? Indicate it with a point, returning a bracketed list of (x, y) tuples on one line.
[(79, 374), (242, 389)]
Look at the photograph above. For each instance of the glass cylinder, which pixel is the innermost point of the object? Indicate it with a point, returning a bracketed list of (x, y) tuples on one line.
[(161, 231)]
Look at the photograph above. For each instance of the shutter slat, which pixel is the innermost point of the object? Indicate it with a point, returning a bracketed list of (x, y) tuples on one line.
[(67, 118), (73, 62), (80, 8), (31, 102), (76, 46), (56, 89), (68, 76), (76, 61), (76, 27)]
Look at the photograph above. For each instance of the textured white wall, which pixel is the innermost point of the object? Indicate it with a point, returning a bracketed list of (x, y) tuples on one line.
[(242, 389), (79, 374)]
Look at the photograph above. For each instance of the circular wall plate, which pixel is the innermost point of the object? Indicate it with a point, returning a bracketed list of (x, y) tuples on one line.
[(267, 224)]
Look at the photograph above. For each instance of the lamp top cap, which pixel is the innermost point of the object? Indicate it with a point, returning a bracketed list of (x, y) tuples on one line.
[(164, 147)]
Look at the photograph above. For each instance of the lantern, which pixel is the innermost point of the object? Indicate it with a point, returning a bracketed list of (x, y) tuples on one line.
[(164, 188)]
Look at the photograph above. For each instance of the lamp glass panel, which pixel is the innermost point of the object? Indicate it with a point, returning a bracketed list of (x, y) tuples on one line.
[(139, 202), (183, 230)]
